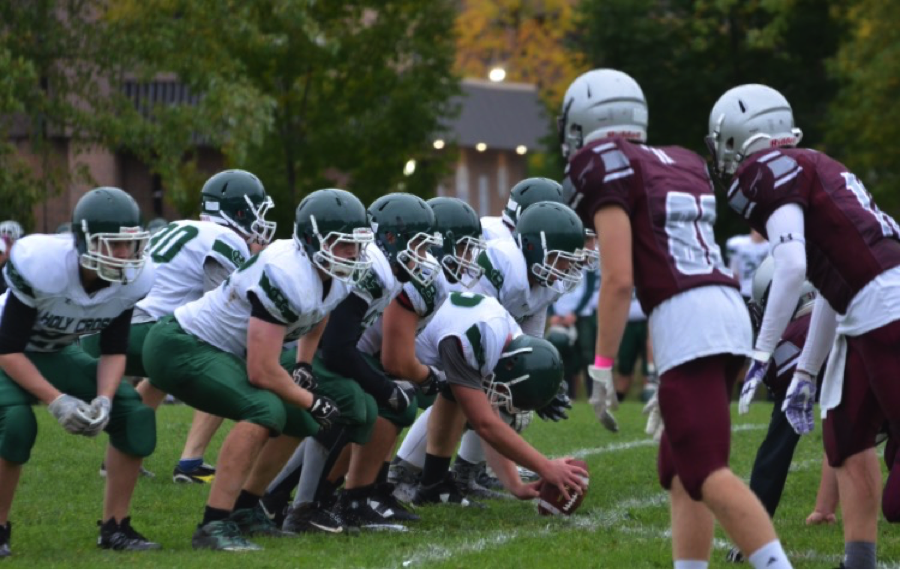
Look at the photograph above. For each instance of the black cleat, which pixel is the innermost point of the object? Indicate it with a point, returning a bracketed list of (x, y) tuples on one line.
[(735, 556), (254, 522), (5, 533), (312, 517), (122, 537), (384, 500), (357, 513), (444, 492), (221, 535), (205, 473)]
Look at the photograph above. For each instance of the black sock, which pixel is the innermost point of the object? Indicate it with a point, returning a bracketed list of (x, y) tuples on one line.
[(246, 500), (435, 469), (359, 493), (620, 396), (211, 514), (383, 473), (327, 489)]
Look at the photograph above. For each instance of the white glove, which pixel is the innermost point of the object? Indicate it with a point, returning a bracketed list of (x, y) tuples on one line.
[(754, 378), (73, 415), (100, 408), (518, 421), (603, 397), (654, 418)]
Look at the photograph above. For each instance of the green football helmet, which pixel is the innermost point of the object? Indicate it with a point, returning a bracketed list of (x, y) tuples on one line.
[(156, 224), (552, 240), (329, 218), (590, 252), (64, 228), (238, 200), (460, 229), (527, 192), (527, 376), (405, 232), (108, 234)]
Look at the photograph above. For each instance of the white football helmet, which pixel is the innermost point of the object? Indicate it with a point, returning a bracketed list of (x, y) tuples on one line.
[(762, 282), (747, 119), (598, 104)]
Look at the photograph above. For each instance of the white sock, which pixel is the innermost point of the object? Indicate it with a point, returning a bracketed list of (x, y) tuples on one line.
[(770, 556), (470, 449), (691, 564), (412, 450)]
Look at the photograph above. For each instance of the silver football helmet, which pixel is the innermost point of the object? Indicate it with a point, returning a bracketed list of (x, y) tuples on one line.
[(762, 282), (747, 119), (598, 104)]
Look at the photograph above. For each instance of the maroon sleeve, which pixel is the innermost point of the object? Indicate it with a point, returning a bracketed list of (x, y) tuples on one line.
[(602, 175), (764, 185)]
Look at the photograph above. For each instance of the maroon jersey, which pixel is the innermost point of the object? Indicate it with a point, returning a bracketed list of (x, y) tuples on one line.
[(667, 194), (786, 355), (849, 241)]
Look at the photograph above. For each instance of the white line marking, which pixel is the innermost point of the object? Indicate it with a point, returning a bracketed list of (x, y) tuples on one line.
[(646, 442)]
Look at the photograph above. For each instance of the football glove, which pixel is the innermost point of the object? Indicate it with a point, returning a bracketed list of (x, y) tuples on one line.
[(798, 402), (324, 411), (402, 396), (433, 382), (603, 398), (73, 415), (654, 427), (754, 378), (518, 421), (556, 409), (303, 376), (100, 408)]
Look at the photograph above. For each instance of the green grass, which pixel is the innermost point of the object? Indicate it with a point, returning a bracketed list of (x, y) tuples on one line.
[(623, 522)]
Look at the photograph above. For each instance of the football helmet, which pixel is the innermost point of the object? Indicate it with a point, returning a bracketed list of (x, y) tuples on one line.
[(238, 200), (762, 282), (527, 192), (156, 224), (106, 219), (747, 119), (601, 103), (460, 230), (404, 230), (11, 230), (551, 237), (527, 375), (330, 217), (590, 252)]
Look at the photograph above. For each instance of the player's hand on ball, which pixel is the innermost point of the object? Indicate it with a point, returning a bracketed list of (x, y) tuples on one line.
[(562, 473), (527, 491)]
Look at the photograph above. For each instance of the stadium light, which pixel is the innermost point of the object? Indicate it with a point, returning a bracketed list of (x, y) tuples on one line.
[(497, 74), (521, 149), (481, 147), (439, 144), (410, 167)]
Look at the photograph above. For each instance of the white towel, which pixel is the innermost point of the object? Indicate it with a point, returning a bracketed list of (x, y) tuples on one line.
[(833, 382)]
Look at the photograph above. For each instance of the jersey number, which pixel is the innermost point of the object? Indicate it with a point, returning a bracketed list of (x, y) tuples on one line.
[(466, 299), (689, 227), (888, 226), (167, 243)]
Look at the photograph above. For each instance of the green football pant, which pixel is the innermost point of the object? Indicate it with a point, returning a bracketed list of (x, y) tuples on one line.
[(134, 363)]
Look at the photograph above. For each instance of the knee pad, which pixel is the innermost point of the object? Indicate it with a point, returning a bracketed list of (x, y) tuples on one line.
[(134, 433), (362, 432), (18, 432)]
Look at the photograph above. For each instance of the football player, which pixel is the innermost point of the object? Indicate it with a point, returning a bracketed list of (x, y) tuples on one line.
[(223, 352), (824, 226), (745, 254), (525, 193), (192, 258), (653, 209), (489, 365), (62, 287)]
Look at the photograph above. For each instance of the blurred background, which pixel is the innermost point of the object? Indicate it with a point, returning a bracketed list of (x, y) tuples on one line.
[(427, 96)]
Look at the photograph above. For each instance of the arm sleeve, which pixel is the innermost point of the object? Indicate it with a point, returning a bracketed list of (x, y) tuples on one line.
[(258, 310), (213, 274), (822, 327), (339, 352), (18, 318), (785, 229), (455, 366), (114, 338), (535, 324)]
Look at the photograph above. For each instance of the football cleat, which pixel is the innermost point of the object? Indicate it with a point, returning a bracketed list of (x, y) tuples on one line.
[(405, 480), (526, 475), (221, 535), (254, 522), (312, 517), (444, 491), (121, 536), (358, 513), (5, 534), (144, 472), (205, 473), (734, 556), (275, 506), (383, 498), (466, 475)]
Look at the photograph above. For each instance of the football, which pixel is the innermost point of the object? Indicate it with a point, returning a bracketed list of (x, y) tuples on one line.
[(552, 502)]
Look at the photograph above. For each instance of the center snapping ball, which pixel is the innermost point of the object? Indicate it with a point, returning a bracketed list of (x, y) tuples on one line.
[(552, 501)]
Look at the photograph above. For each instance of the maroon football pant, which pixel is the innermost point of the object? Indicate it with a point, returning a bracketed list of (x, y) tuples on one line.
[(694, 402)]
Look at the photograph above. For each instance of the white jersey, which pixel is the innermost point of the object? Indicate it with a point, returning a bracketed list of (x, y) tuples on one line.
[(745, 256), (378, 288), (43, 272), (506, 279), (492, 227), (481, 325), (179, 251), (285, 282)]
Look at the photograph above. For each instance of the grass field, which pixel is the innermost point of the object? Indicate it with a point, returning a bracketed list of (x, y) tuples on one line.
[(623, 522)]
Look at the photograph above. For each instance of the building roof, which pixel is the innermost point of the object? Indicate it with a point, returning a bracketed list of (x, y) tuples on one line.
[(501, 115)]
